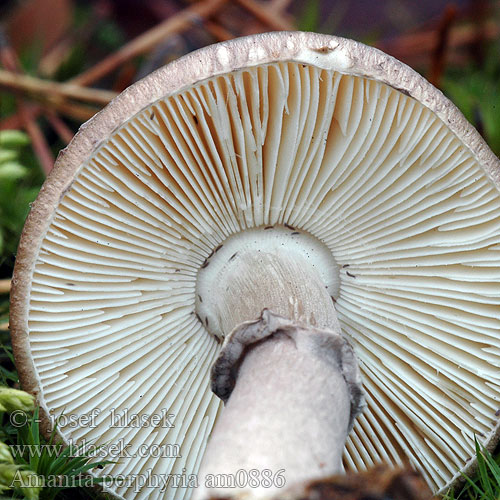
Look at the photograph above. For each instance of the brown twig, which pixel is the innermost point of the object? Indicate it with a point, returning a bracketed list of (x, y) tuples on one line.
[(78, 112), (438, 60), (278, 6), (4, 287), (218, 31), (62, 130), (415, 45), (480, 13), (38, 142), (14, 121), (9, 60), (125, 76), (266, 15), (51, 61), (149, 39), (49, 90)]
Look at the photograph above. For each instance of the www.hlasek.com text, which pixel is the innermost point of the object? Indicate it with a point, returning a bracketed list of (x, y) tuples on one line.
[(120, 449)]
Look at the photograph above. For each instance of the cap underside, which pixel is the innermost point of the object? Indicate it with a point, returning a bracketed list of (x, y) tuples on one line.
[(406, 210)]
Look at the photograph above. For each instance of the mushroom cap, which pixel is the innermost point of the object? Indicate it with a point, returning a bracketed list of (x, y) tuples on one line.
[(312, 131)]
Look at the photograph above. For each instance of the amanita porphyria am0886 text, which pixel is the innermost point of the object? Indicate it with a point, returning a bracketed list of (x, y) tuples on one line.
[(271, 183)]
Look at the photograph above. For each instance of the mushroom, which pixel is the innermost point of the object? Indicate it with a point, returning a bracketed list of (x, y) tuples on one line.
[(362, 175)]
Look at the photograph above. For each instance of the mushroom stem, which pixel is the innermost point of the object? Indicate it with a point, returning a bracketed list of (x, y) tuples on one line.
[(289, 379), (273, 270), (292, 392)]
